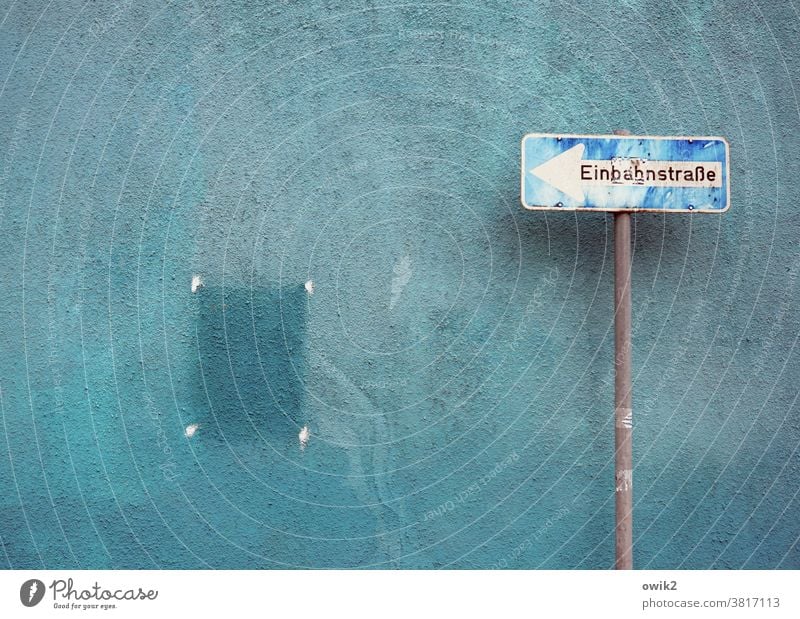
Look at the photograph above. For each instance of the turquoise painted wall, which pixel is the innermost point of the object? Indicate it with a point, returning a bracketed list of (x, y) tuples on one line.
[(454, 363)]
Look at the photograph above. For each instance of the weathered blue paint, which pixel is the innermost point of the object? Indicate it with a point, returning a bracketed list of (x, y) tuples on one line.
[(627, 195), (454, 363)]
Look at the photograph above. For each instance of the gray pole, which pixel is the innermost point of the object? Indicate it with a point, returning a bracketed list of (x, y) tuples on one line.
[(623, 406)]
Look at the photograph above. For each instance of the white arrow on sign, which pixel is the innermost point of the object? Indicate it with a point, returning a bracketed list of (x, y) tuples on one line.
[(569, 172)]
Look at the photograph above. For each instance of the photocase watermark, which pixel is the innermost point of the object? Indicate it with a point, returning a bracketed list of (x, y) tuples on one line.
[(461, 37), (13, 145), (207, 52), (471, 490), (480, 106), (31, 592), (101, 26), (169, 467), (459, 100), (619, 358), (67, 596), (394, 382), (541, 294), (528, 542), (339, 176)]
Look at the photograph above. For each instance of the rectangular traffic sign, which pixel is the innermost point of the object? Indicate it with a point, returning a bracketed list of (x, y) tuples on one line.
[(625, 173)]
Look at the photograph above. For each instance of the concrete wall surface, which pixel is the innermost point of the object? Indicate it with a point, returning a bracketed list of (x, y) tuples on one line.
[(269, 298)]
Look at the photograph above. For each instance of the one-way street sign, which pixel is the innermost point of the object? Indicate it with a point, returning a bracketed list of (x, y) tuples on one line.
[(625, 173)]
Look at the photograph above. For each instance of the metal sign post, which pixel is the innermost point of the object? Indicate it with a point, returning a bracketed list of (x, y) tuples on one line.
[(623, 391), (624, 174)]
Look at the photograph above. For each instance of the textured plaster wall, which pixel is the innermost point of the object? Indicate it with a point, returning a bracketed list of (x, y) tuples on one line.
[(454, 363)]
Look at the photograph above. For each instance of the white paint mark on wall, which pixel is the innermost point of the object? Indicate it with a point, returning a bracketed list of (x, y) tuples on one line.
[(190, 430), (197, 283), (402, 275), (624, 480), (310, 287), (303, 436)]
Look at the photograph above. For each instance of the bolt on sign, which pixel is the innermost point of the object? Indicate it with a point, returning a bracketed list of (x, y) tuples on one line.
[(625, 173)]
